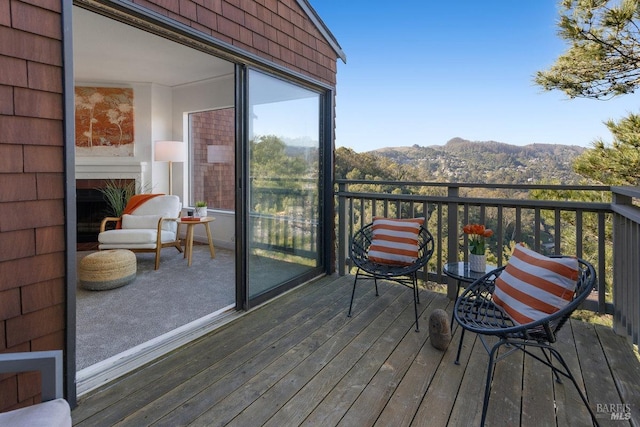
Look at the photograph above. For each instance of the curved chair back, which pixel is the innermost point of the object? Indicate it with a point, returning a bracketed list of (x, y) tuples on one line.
[(476, 311), (167, 206), (404, 274), (360, 249)]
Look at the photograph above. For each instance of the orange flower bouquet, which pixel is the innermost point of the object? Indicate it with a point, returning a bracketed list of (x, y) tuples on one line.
[(477, 235)]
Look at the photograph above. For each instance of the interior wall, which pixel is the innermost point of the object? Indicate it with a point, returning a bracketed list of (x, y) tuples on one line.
[(201, 96), (146, 104), (161, 128), (208, 95)]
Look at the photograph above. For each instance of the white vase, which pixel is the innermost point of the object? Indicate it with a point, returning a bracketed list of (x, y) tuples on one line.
[(200, 212), (477, 263)]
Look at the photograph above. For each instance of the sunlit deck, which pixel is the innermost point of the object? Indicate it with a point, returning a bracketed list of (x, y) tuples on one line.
[(299, 360)]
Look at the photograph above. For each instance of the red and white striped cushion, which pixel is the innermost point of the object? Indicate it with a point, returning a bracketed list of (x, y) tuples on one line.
[(533, 286), (395, 241)]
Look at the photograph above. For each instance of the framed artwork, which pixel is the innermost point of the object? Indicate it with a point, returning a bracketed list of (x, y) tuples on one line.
[(104, 121)]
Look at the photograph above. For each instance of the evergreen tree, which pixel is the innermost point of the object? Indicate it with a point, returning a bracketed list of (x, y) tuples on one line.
[(618, 164), (603, 58), (603, 61)]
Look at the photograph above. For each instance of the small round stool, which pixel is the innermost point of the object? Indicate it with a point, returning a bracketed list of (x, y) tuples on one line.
[(108, 269)]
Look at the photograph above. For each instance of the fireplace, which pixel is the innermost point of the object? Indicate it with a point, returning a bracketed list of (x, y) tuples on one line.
[(91, 208)]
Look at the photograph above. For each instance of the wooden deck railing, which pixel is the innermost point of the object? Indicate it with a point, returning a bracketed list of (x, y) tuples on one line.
[(626, 261), (543, 216), (597, 223)]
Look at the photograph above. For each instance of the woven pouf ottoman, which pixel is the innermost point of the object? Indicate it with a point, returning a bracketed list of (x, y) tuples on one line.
[(108, 269)]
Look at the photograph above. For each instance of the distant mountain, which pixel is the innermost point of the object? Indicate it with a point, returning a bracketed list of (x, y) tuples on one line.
[(460, 160)]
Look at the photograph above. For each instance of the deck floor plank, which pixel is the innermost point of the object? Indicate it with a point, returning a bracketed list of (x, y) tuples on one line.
[(467, 406), (437, 403), (299, 360), (326, 375), (407, 397), (570, 408), (222, 378), (538, 408), (597, 378), (156, 379), (506, 390), (620, 357), (388, 371), (374, 321), (354, 368)]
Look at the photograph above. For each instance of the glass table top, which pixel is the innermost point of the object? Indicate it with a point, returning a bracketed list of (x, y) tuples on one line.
[(460, 271)]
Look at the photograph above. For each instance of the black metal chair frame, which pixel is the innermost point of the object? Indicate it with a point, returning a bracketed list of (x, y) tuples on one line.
[(403, 274), (475, 311)]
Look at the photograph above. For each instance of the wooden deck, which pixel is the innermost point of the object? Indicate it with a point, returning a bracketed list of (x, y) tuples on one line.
[(300, 360)]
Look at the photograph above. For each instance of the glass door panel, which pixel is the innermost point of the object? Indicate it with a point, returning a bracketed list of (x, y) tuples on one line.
[(284, 180)]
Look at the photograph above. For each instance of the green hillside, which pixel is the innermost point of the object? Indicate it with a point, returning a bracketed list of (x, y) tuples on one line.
[(460, 160)]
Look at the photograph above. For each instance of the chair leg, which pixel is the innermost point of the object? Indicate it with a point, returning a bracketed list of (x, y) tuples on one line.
[(550, 362), (487, 386), (552, 352), (158, 257), (454, 303), (416, 299), (353, 292), (569, 375), (457, 361)]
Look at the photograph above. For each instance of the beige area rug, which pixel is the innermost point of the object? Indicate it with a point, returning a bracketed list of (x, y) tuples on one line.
[(156, 302)]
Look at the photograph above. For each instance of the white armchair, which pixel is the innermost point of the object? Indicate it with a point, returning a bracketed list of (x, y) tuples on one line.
[(54, 410), (151, 227)]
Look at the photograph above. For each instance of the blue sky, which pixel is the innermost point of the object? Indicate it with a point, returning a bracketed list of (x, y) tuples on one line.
[(423, 72)]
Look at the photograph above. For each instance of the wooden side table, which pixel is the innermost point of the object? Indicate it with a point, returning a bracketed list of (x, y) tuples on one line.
[(188, 244)]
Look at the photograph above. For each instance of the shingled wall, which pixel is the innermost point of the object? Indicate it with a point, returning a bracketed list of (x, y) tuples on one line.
[(32, 217), (278, 31), (32, 238)]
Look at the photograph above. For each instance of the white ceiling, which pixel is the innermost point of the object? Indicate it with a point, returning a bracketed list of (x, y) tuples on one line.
[(105, 50)]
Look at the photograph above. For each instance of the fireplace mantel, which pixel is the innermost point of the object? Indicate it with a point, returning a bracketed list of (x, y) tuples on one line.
[(106, 168)]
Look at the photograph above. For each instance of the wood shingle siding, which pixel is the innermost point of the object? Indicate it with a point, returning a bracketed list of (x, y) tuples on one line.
[(278, 31), (32, 218)]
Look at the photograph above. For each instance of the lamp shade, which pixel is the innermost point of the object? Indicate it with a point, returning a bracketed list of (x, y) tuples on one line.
[(169, 151), (219, 154)]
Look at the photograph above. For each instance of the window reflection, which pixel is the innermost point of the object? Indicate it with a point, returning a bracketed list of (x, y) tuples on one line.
[(284, 181)]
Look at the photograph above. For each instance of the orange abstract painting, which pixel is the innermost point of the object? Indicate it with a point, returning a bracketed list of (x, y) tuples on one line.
[(104, 121)]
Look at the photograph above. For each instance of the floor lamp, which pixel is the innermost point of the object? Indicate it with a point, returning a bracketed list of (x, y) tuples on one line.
[(169, 151)]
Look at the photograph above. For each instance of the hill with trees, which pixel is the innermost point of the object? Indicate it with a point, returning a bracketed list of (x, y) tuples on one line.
[(460, 160)]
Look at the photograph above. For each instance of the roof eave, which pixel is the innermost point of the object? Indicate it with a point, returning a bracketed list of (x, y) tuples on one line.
[(324, 30)]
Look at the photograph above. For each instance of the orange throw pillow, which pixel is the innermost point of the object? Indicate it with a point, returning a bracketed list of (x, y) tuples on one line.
[(533, 286), (395, 241)]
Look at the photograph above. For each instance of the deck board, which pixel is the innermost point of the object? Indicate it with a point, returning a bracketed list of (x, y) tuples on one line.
[(571, 410), (299, 360), (537, 395), (625, 369), (408, 395)]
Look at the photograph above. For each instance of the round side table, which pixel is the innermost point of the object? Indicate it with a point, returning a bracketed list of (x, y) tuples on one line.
[(461, 271)]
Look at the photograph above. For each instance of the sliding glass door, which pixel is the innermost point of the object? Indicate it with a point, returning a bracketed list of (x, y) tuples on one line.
[(284, 215)]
